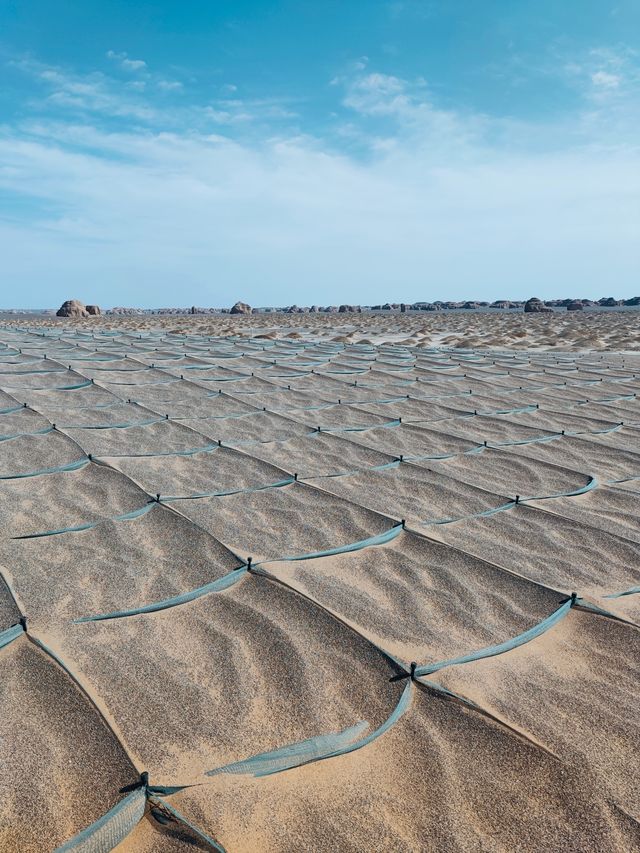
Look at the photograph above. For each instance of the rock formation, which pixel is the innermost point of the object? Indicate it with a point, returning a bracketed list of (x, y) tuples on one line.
[(609, 302), (536, 306), (241, 308), (120, 311), (72, 308)]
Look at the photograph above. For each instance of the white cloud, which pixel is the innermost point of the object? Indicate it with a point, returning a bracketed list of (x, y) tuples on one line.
[(133, 64), (386, 96), (94, 93), (407, 105), (609, 74), (605, 79), (170, 85), (107, 97), (124, 62), (378, 94)]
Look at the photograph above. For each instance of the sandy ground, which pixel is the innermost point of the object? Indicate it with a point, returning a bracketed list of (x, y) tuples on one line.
[(402, 501), (583, 330)]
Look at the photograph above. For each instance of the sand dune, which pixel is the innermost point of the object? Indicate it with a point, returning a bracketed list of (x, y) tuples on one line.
[(401, 666)]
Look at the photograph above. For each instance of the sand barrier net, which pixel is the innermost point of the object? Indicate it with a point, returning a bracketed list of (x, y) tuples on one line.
[(291, 595)]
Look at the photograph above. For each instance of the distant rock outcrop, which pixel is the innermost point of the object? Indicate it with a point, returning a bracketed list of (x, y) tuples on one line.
[(575, 306), (120, 311), (536, 306), (609, 302), (241, 308), (93, 310), (72, 308)]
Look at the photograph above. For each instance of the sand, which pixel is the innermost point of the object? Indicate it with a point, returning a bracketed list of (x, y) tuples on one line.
[(370, 470), (587, 331)]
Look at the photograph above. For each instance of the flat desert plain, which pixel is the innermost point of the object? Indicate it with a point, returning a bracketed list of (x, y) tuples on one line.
[(320, 583)]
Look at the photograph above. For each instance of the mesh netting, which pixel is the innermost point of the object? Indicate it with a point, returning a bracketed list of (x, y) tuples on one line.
[(236, 558)]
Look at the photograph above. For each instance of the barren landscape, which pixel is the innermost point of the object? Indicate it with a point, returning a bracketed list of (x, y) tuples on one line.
[(596, 329), (356, 583)]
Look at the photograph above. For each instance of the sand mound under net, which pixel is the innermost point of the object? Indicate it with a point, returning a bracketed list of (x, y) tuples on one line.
[(291, 593)]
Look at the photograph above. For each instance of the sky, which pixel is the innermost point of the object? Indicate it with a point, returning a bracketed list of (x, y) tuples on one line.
[(196, 153)]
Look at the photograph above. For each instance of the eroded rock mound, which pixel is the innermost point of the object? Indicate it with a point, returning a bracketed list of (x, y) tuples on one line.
[(575, 306), (93, 310), (609, 302), (72, 308), (536, 306), (241, 308)]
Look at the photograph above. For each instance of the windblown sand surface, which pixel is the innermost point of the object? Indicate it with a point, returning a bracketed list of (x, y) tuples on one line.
[(320, 589), (594, 329)]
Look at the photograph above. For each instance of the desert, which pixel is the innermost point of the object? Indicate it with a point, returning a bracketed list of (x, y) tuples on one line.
[(283, 583)]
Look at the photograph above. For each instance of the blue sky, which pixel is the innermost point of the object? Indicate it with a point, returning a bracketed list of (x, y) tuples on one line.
[(178, 153)]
